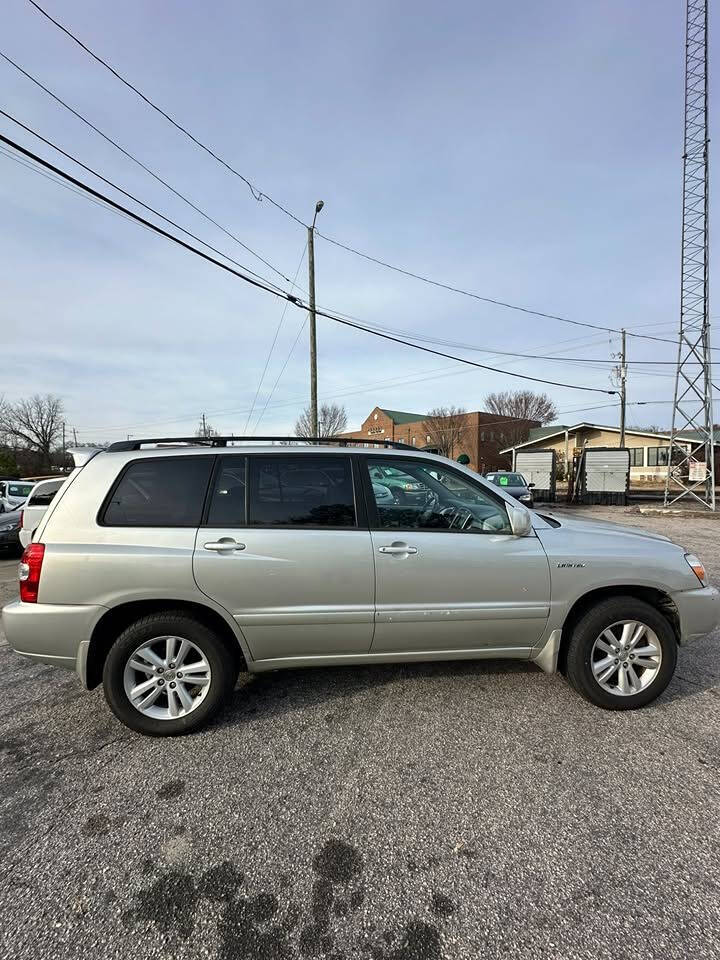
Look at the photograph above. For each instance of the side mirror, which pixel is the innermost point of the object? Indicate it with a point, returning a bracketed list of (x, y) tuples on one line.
[(530, 485), (520, 521)]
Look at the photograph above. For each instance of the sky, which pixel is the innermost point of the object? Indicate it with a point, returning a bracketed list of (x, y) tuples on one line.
[(528, 152)]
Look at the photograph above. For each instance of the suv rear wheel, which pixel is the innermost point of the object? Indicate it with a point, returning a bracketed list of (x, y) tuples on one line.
[(622, 654), (167, 674)]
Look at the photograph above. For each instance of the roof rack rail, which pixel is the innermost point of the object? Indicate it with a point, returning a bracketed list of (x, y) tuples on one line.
[(127, 445)]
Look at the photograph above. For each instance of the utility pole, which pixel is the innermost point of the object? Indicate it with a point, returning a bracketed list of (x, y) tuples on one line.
[(204, 426), (313, 334), (623, 389), (74, 436), (63, 436)]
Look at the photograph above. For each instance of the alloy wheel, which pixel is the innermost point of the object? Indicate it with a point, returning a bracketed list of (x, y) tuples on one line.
[(626, 658), (167, 677)]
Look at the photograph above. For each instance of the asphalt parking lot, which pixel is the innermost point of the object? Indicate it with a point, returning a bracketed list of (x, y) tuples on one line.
[(453, 810)]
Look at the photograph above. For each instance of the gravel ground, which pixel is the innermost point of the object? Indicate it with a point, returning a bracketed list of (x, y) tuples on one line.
[(455, 810)]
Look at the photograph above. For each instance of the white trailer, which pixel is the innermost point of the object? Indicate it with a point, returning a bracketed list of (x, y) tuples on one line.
[(604, 475), (538, 467)]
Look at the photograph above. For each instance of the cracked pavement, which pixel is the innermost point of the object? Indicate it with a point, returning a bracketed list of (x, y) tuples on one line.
[(412, 812)]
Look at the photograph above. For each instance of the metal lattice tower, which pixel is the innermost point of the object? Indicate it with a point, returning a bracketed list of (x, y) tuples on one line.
[(693, 408)]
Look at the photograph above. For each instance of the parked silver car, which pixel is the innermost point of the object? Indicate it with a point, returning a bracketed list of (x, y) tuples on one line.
[(163, 571)]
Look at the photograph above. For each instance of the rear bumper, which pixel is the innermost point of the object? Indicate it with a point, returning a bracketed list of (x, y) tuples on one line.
[(699, 612), (50, 632)]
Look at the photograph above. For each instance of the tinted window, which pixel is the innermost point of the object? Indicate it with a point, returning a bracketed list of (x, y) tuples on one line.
[(301, 491), (43, 498), (227, 507), (160, 493), (434, 498), (19, 489)]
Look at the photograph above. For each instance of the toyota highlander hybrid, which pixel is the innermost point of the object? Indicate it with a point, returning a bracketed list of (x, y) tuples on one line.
[(161, 571)]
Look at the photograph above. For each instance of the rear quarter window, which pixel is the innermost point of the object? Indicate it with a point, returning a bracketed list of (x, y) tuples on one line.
[(167, 492), (42, 499)]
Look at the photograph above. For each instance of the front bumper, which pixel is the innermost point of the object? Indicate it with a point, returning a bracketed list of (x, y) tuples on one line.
[(50, 632), (699, 612)]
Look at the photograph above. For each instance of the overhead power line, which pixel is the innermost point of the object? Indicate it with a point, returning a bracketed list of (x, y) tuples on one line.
[(274, 341), (293, 283), (258, 194), (143, 166), (274, 291), (484, 299), (131, 196)]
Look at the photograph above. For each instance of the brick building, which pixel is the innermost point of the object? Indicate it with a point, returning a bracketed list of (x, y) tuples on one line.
[(486, 435)]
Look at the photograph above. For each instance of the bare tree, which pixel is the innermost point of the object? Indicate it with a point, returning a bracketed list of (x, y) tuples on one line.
[(332, 420), (447, 429), (523, 405), (653, 428), (35, 422)]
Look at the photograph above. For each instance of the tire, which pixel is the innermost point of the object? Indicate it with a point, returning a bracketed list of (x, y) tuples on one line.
[(211, 666), (591, 655)]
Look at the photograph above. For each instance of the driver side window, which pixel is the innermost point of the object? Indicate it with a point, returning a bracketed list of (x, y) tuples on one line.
[(422, 495)]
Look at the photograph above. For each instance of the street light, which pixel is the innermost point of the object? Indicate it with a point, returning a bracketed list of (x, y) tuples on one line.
[(313, 336)]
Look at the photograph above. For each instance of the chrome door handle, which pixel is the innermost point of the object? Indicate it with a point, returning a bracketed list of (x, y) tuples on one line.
[(224, 545), (397, 549)]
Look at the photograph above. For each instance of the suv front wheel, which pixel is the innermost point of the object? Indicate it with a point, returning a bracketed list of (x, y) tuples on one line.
[(167, 674), (622, 654)]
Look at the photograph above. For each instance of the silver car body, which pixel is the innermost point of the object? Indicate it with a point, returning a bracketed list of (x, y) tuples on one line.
[(301, 597)]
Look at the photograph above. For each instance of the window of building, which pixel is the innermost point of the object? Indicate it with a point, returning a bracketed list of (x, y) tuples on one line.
[(301, 491), (658, 456), (413, 440), (637, 456), (413, 495), (482, 434), (165, 492)]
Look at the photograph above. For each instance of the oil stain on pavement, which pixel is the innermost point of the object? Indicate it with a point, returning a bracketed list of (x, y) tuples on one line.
[(255, 926)]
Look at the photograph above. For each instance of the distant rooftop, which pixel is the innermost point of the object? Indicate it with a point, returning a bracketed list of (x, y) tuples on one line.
[(398, 416), (540, 433), (536, 433)]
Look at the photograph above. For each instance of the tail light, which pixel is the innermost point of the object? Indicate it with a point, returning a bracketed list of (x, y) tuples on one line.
[(29, 572)]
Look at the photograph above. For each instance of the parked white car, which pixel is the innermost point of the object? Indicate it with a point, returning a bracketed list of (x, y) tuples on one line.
[(40, 498), (14, 493)]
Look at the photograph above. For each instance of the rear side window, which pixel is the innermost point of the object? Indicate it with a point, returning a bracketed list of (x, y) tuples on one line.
[(159, 493), (227, 506), (43, 498), (301, 491)]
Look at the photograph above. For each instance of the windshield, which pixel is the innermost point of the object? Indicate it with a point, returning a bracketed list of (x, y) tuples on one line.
[(19, 489), (507, 479)]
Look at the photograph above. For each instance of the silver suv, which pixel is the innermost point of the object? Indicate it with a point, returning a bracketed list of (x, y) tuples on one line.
[(161, 571)]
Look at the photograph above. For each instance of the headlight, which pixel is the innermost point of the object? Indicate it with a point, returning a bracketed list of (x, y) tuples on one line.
[(697, 568), (526, 496)]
